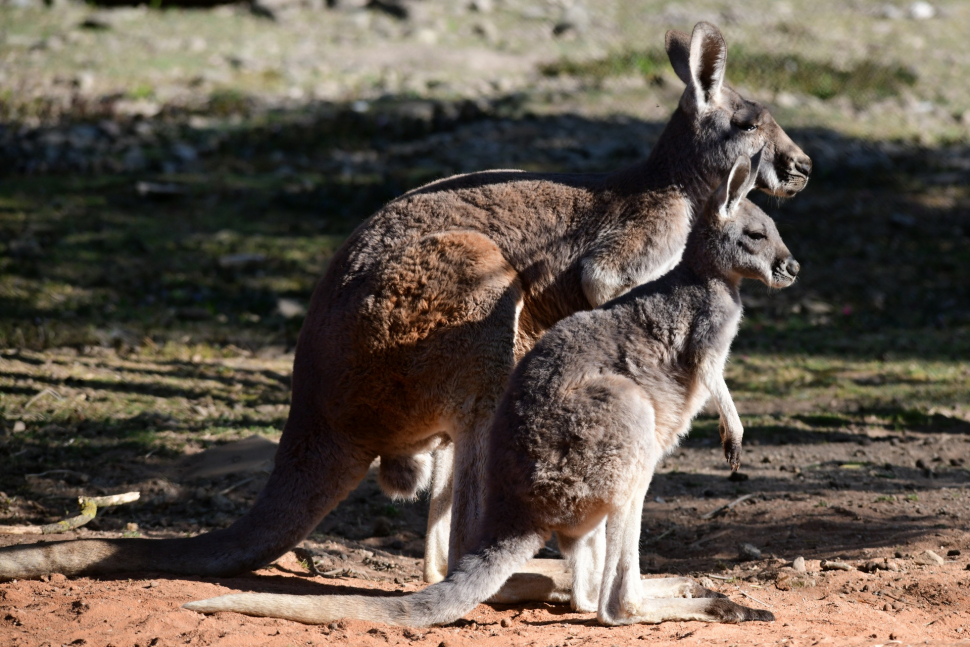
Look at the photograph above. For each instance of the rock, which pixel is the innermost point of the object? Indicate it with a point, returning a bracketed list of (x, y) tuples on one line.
[(19, 427), (482, 6), (506, 622), (783, 582), (290, 308), (928, 558), (738, 477), (835, 565), (234, 261), (748, 552), (953, 552), (799, 564), (922, 11)]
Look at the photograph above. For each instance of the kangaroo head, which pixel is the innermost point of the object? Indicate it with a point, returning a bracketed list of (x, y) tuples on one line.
[(724, 124), (741, 240)]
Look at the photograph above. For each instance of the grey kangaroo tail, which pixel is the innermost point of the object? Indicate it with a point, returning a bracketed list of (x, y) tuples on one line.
[(479, 576), (312, 474)]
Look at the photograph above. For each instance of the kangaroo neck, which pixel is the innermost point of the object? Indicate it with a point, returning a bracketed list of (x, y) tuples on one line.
[(676, 163), (701, 262)]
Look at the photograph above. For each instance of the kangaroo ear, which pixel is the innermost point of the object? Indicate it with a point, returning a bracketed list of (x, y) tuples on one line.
[(678, 51), (735, 188), (708, 58)]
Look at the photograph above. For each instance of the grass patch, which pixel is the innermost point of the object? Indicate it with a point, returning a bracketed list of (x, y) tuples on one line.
[(863, 82)]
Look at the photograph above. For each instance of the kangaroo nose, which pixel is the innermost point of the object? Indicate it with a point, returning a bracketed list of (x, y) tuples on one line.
[(804, 166), (792, 266)]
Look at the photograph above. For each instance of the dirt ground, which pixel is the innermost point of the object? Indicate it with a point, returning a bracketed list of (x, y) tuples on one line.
[(873, 495), (174, 182)]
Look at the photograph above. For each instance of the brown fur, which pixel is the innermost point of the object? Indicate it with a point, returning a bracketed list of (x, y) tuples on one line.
[(413, 331)]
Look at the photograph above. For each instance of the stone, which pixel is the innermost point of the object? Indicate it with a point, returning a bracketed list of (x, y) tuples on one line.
[(506, 622), (799, 564), (748, 552), (922, 11), (290, 308), (928, 558)]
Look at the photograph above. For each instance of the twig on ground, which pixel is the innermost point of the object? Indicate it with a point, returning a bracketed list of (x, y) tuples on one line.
[(704, 540), (89, 508), (751, 596), (661, 535), (726, 506), (245, 481), (305, 555)]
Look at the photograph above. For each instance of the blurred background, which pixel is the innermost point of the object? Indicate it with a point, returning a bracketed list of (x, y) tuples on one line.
[(174, 180)]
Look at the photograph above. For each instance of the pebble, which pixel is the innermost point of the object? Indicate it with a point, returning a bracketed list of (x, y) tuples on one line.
[(506, 623), (928, 558), (921, 11), (748, 552), (19, 427), (799, 564)]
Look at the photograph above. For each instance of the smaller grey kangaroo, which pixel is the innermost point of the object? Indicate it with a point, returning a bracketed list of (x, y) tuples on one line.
[(588, 414)]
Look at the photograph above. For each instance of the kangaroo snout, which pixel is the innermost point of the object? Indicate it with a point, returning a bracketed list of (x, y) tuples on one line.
[(803, 165), (791, 266)]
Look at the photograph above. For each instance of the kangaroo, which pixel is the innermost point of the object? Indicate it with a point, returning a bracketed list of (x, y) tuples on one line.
[(588, 414), (412, 334)]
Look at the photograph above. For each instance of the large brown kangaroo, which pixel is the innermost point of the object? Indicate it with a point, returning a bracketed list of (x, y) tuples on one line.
[(414, 330), (587, 416)]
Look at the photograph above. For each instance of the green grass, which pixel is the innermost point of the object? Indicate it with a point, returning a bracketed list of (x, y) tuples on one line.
[(862, 82)]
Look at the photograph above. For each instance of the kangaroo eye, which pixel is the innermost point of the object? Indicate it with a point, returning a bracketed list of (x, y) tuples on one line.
[(754, 235), (746, 127)]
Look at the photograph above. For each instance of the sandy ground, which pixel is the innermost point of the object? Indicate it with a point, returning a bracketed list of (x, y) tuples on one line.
[(892, 591), (842, 607)]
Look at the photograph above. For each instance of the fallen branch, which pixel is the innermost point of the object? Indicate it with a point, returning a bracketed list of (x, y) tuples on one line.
[(89, 508), (704, 540), (726, 506), (752, 597)]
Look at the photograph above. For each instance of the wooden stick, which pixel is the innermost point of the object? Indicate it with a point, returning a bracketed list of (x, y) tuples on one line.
[(89, 508), (726, 506), (751, 596)]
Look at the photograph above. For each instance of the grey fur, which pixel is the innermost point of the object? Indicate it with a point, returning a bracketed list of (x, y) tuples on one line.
[(588, 414)]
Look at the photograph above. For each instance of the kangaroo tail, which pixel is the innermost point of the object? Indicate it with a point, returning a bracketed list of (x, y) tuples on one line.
[(479, 576), (313, 473)]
